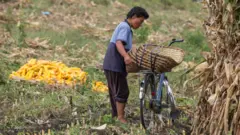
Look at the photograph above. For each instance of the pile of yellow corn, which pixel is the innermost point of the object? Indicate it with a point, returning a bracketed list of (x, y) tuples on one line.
[(99, 87), (51, 72)]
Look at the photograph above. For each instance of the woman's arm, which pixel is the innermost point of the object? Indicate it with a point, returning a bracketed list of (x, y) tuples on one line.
[(121, 50)]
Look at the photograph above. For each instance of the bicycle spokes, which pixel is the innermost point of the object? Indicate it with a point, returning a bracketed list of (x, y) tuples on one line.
[(170, 99), (155, 95), (147, 105)]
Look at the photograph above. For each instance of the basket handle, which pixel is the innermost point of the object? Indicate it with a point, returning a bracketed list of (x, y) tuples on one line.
[(153, 51), (145, 46), (139, 63), (153, 60)]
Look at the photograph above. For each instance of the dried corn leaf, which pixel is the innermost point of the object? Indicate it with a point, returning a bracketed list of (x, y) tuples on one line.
[(211, 100)]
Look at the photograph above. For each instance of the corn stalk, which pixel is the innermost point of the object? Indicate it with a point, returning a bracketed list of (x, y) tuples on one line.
[(218, 109)]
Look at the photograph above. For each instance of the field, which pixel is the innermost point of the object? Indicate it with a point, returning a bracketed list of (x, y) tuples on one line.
[(76, 32)]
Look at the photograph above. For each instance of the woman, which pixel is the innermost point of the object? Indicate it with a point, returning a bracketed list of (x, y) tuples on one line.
[(117, 58)]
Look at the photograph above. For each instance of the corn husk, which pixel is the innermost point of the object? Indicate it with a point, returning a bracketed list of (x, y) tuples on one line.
[(218, 110)]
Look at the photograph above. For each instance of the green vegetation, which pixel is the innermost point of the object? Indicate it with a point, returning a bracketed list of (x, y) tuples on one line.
[(195, 43), (142, 34)]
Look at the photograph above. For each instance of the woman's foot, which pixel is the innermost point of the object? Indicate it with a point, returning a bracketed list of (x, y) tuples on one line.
[(122, 120), (120, 111)]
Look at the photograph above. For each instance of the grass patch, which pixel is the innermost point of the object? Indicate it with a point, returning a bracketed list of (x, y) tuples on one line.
[(41, 5), (57, 38), (195, 43), (182, 5), (186, 101), (157, 5), (102, 2), (141, 34)]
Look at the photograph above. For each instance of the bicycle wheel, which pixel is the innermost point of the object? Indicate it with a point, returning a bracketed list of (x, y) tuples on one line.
[(147, 115), (171, 101)]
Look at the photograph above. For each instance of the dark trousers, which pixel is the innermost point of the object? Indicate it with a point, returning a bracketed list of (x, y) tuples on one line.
[(118, 88)]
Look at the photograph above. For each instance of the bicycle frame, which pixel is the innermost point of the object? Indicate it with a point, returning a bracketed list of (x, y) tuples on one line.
[(153, 101), (160, 87), (162, 82)]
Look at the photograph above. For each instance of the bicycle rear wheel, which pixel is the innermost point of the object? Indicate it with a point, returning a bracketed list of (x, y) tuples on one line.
[(147, 114)]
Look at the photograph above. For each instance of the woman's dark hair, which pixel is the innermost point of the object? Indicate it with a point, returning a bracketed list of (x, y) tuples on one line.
[(138, 11)]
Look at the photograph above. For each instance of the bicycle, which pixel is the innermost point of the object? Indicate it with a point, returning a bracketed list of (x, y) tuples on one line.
[(151, 95)]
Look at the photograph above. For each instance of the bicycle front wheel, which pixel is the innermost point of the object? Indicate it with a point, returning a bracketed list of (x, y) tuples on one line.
[(147, 114), (174, 114)]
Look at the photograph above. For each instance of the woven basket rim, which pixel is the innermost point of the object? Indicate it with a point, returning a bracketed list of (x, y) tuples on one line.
[(159, 57), (165, 47)]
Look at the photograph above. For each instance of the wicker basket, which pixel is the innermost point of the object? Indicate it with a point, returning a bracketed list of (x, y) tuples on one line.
[(156, 58), (133, 67)]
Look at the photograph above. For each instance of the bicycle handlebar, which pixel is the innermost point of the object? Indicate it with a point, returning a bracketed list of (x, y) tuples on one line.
[(175, 40)]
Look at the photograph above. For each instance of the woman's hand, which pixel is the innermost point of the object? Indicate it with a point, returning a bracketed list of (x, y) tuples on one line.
[(127, 60), (122, 51)]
